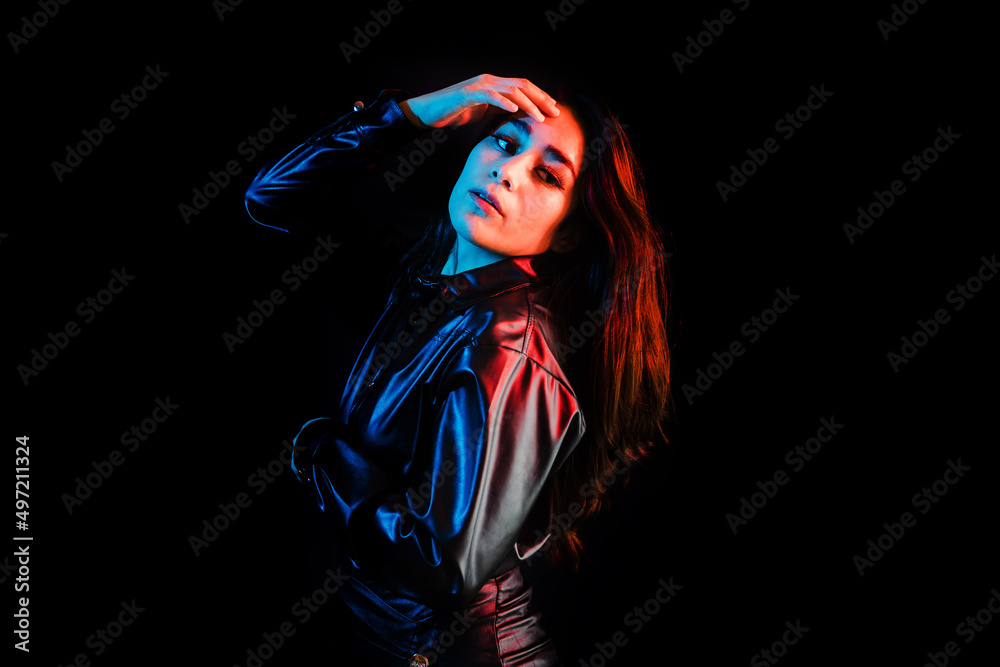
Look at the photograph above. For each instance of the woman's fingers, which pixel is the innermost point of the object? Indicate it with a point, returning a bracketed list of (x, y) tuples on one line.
[(538, 99), (497, 99), (521, 99), (457, 104)]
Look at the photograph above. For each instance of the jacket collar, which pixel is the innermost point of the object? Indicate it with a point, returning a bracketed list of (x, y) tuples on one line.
[(465, 289)]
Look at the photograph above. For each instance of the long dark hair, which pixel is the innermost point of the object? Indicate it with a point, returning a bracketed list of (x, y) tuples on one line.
[(617, 280)]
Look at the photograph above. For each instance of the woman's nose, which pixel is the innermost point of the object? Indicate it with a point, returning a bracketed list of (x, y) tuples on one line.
[(503, 174)]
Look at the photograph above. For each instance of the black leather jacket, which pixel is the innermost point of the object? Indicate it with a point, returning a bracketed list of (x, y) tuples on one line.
[(434, 470)]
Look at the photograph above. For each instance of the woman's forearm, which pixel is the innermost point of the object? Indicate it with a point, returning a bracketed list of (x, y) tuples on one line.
[(295, 188)]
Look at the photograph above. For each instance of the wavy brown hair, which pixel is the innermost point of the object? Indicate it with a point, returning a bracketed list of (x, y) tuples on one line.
[(618, 276), (619, 270)]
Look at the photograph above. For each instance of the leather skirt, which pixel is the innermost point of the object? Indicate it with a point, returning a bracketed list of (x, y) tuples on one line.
[(498, 627)]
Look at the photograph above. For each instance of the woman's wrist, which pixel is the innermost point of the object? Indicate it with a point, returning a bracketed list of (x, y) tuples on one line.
[(413, 118)]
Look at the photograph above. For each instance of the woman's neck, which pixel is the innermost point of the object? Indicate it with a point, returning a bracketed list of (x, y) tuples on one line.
[(465, 256)]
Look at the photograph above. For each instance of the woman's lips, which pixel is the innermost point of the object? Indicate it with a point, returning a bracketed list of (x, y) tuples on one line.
[(486, 201)]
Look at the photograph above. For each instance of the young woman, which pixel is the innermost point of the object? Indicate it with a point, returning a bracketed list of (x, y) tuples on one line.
[(521, 364)]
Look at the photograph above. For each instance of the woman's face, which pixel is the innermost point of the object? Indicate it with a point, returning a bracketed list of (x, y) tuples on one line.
[(518, 184)]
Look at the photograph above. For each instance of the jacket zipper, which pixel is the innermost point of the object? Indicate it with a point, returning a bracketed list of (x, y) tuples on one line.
[(367, 389)]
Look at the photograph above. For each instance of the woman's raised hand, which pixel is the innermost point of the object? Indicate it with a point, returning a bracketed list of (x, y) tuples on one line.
[(471, 100)]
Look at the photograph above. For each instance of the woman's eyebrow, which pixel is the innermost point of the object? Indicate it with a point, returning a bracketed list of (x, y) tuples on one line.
[(556, 154)]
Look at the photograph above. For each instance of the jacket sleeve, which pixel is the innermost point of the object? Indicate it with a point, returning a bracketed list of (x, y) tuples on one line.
[(501, 424), (288, 191)]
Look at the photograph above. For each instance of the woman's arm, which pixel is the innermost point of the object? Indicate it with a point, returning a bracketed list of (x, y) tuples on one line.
[(290, 190), (503, 424), (286, 193)]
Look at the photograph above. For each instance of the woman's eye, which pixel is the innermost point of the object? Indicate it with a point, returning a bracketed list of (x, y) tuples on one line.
[(505, 144), (509, 146), (548, 176)]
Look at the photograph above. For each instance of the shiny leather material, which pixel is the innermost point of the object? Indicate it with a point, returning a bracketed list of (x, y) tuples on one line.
[(434, 470), (288, 193), (498, 621)]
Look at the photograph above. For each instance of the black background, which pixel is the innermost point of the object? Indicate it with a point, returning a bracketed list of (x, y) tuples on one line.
[(825, 358)]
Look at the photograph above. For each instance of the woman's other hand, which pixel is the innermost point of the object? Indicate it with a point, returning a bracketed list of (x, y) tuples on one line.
[(471, 100)]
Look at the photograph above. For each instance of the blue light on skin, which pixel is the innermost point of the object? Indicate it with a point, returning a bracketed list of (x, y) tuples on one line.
[(529, 168)]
